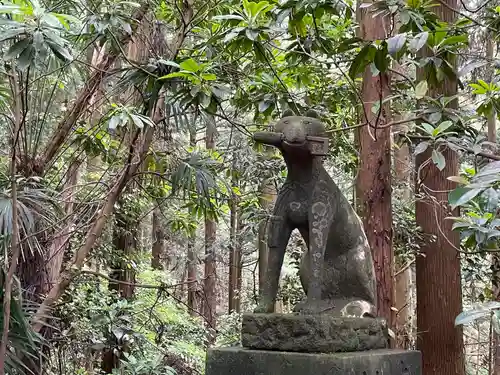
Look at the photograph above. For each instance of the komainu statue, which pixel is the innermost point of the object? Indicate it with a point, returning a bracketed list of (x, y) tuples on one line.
[(337, 271)]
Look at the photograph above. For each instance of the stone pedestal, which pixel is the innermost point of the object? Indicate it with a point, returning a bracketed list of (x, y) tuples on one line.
[(290, 344), (241, 361), (313, 333)]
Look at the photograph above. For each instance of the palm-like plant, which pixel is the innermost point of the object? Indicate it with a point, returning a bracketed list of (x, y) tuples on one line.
[(23, 342)]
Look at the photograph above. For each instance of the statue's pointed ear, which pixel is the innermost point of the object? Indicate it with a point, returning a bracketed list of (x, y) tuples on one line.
[(288, 113), (312, 113)]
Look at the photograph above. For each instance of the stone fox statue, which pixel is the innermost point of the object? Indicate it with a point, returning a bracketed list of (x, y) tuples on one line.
[(337, 271)]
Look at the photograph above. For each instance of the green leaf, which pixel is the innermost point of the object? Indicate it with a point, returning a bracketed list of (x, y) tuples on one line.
[(428, 128), (418, 42), (456, 39), (462, 195), (361, 61), (442, 127), (381, 60), (113, 122), (11, 33), (175, 75), (480, 311), (438, 159), (209, 76), (190, 65), (228, 17), (26, 57), (60, 52), (421, 90), (421, 147), (137, 121), (38, 40), (396, 43), (252, 34), (16, 49), (263, 105)]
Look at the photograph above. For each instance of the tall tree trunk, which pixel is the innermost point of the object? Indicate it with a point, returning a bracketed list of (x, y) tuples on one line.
[(193, 299), (439, 292), (267, 196), (234, 247), (210, 296), (373, 186), (403, 272), (158, 233), (495, 259)]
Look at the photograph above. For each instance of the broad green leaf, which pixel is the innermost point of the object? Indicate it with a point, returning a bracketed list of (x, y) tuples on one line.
[(418, 42), (17, 48), (61, 52), (442, 127), (175, 75), (113, 122), (228, 17), (462, 195), (209, 77), (26, 57), (421, 147), (361, 61), (458, 179), (263, 105), (190, 65), (11, 33), (396, 43), (479, 311), (252, 34), (438, 159), (169, 63), (464, 38), (421, 90), (38, 40), (137, 121), (428, 128), (381, 60)]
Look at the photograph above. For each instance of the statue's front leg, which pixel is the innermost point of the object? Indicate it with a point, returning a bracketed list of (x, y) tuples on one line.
[(279, 231), (320, 219)]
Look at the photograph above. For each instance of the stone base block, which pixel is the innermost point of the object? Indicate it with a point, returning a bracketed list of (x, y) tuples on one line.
[(321, 333), (241, 361)]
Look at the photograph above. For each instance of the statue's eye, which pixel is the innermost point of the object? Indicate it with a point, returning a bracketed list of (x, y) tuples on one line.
[(286, 122)]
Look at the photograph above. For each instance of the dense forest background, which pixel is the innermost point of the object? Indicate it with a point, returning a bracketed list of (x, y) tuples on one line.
[(134, 203)]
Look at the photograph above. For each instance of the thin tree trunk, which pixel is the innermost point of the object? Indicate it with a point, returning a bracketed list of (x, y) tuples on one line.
[(59, 245), (234, 250), (403, 274), (193, 299), (439, 292), (158, 233), (373, 185), (267, 196), (210, 296), (192, 277)]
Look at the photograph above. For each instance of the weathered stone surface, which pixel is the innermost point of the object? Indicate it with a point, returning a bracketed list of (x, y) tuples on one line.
[(337, 269), (241, 361), (321, 333)]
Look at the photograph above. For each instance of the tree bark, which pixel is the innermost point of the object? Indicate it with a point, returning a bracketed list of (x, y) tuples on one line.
[(439, 292), (234, 251), (158, 234), (267, 197), (373, 185), (137, 151), (403, 272), (210, 296)]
